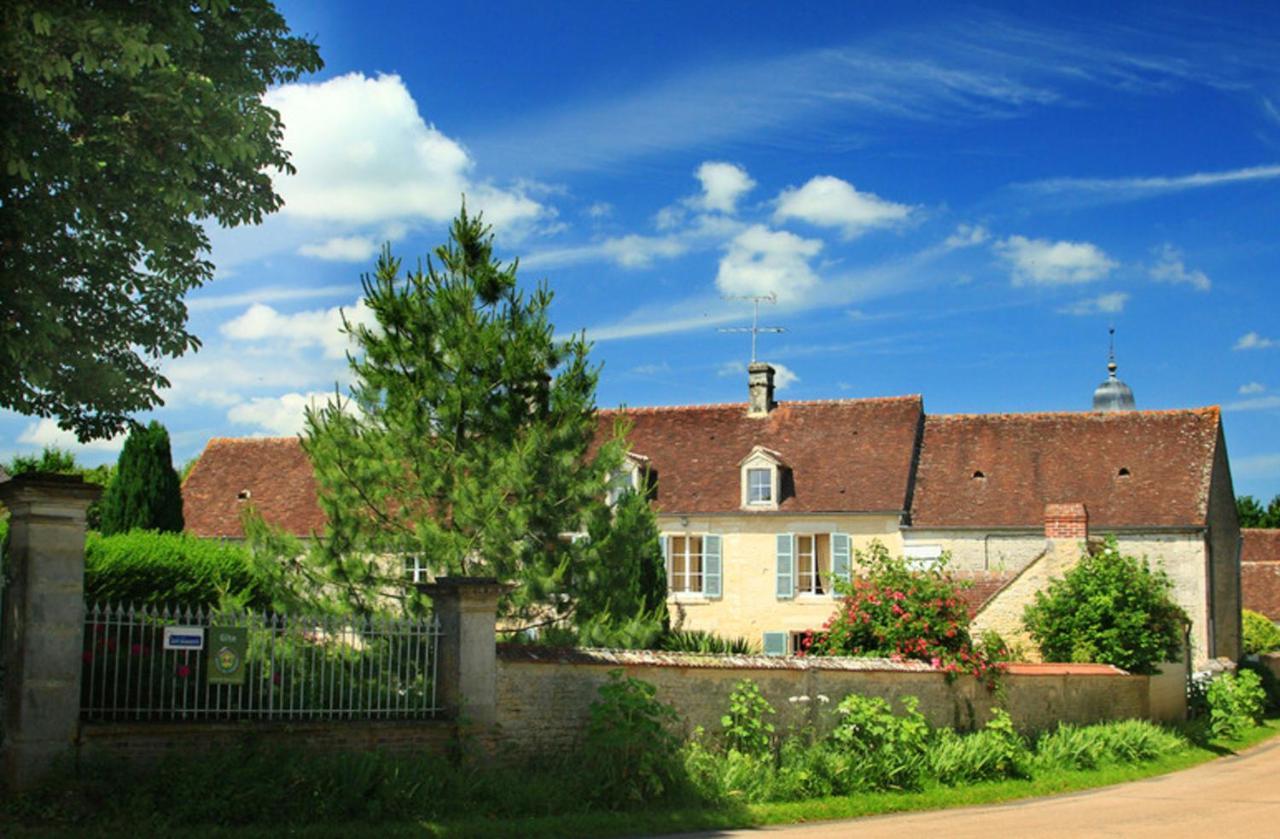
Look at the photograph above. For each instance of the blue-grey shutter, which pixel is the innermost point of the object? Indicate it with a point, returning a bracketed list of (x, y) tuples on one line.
[(711, 566), (786, 566), (775, 643), (840, 560), (665, 541)]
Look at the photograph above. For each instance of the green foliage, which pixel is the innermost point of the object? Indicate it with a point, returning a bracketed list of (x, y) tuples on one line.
[(1110, 608), (620, 572), (892, 610), (641, 631), (996, 751), (1235, 704), (174, 569), (62, 462), (145, 493), (890, 749), (1252, 514), (628, 749), (127, 128), (706, 643), (467, 438), (745, 727), (1089, 747), (1260, 634)]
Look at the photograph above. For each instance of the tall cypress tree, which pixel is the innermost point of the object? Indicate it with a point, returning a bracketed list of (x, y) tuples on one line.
[(623, 576), (467, 439), (145, 493)]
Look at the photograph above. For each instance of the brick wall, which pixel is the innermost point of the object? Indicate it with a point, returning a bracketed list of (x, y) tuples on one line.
[(1066, 521)]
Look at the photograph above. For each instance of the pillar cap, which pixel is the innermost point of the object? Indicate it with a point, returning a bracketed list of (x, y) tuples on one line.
[(49, 484), (464, 586)]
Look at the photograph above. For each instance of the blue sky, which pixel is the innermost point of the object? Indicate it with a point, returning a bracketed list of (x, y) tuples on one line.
[(947, 200)]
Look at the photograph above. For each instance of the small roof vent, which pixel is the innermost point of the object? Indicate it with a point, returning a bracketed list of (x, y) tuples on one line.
[(243, 495)]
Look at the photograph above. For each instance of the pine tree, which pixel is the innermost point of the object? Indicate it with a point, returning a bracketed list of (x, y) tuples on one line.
[(467, 438), (145, 493), (623, 576)]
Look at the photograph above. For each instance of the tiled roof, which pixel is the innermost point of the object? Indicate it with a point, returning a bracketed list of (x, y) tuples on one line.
[(1260, 571), (274, 471), (983, 586), (841, 456), (1131, 469)]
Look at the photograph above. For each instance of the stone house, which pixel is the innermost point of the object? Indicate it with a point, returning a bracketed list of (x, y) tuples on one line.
[(762, 505), (1260, 571)]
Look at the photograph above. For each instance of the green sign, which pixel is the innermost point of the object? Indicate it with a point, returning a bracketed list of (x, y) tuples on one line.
[(227, 650)]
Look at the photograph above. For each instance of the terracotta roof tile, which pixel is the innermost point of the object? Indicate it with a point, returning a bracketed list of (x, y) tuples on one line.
[(1260, 571), (1141, 468), (841, 455), (274, 470), (1261, 544)]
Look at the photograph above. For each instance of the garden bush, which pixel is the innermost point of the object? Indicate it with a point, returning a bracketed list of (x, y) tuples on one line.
[(1091, 746), (173, 569), (1260, 634), (996, 751), (629, 751), (1235, 703), (745, 727), (890, 749), (890, 609), (1111, 609)]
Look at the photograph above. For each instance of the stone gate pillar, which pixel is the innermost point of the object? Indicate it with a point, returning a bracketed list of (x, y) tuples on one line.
[(467, 662), (42, 624)]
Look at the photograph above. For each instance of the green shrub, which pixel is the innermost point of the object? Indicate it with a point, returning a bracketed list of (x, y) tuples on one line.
[(890, 749), (1111, 609), (1088, 747), (1260, 634), (1235, 704), (629, 753), (145, 493), (890, 609), (745, 728), (174, 569), (997, 751), (701, 641)]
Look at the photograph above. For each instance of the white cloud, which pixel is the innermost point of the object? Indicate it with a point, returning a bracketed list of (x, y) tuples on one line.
[(270, 294), (45, 432), (342, 249), (1170, 269), (1103, 304), (965, 236), (760, 261), (316, 328), (1257, 466), (364, 154), (280, 415), (1261, 403), (630, 251), (722, 185), (831, 202), (1126, 189), (1252, 388), (783, 376), (600, 210), (651, 369), (1254, 341), (1042, 262)]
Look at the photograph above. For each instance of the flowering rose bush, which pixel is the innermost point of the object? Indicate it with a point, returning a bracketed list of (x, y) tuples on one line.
[(892, 610)]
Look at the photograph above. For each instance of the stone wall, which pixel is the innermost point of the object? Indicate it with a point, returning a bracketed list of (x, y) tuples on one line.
[(545, 696)]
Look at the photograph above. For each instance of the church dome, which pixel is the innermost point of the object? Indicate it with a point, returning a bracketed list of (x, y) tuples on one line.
[(1113, 394)]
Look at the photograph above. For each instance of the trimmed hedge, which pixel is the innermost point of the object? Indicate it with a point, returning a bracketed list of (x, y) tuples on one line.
[(148, 568)]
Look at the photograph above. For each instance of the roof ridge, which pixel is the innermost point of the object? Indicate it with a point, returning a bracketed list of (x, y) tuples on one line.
[(1106, 416), (715, 406)]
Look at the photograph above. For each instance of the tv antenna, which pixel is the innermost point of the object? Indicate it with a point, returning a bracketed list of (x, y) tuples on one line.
[(755, 328)]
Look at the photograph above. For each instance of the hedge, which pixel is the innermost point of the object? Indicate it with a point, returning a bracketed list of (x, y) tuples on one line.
[(149, 568)]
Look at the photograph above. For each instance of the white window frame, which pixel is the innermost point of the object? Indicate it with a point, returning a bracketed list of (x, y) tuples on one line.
[(761, 458), (627, 476), (818, 588), (922, 557), (671, 563), (415, 569)]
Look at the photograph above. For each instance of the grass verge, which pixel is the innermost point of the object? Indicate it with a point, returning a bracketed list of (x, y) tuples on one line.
[(657, 820)]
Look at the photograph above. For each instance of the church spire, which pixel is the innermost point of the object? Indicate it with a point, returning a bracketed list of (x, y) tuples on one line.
[(1113, 394)]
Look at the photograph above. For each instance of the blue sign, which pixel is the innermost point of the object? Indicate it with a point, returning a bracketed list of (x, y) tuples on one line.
[(184, 637)]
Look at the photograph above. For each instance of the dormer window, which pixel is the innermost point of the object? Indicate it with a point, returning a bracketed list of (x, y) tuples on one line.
[(627, 477), (761, 476)]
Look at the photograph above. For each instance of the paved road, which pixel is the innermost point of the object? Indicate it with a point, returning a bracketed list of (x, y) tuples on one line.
[(1231, 796)]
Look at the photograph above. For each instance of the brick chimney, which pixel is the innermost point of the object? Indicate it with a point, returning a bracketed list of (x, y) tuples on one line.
[(1066, 521), (760, 389)]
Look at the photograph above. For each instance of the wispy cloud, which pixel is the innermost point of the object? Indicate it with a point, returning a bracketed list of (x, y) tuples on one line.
[(1170, 268), (1257, 466), (1103, 304), (1252, 388), (271, 294), (1254, 341), (1102, 190), (1262, 403)]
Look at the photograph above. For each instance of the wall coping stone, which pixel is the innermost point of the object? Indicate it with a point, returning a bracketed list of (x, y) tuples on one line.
[(588, 655)]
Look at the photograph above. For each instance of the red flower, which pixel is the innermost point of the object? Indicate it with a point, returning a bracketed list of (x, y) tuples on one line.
[(136, 649), (183, 671), (86, 656)]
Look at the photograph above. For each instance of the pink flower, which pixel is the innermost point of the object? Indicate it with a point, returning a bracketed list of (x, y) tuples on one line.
[(136, 649), (183, 671), (935, 662)]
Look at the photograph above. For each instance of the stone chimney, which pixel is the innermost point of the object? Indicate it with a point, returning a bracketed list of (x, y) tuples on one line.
[(760, 389), (1066, 521)]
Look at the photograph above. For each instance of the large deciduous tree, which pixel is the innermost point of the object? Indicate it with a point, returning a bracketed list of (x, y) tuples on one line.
[(467, 443), (145, 493), (123, 128)]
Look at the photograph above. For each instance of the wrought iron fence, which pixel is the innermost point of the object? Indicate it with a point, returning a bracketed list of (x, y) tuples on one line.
[(283, 667)]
